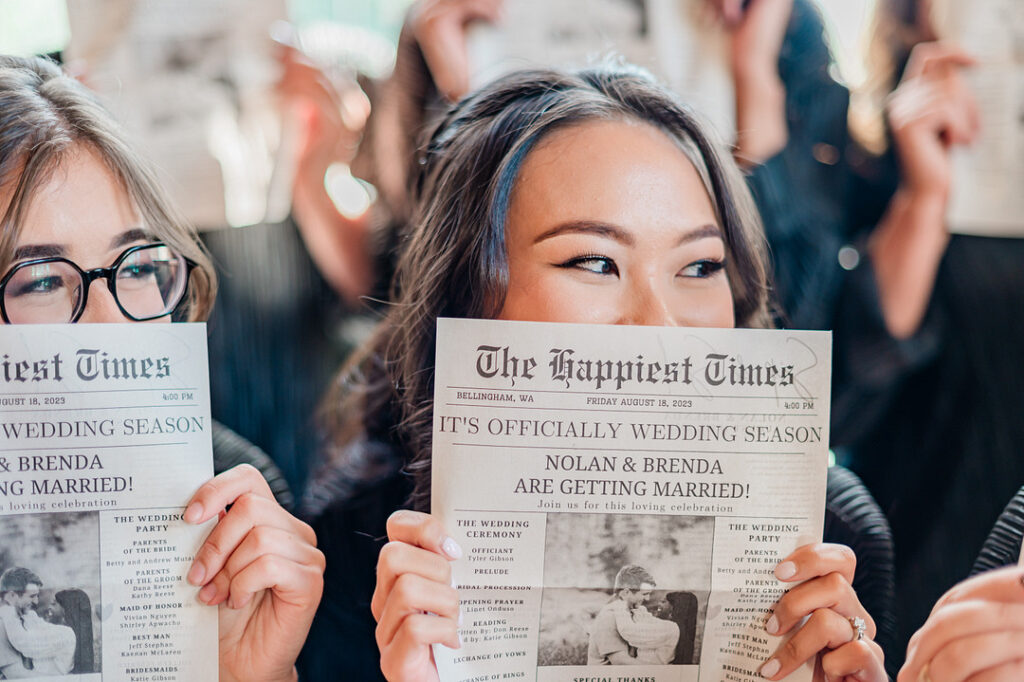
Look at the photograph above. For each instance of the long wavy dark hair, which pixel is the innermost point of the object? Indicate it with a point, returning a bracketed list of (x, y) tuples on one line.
[(453, 260)]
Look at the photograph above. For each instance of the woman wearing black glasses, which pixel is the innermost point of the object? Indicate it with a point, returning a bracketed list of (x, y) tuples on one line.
[(87, 235)]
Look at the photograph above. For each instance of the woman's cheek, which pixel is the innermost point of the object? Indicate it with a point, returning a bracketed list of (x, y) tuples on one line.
[(711, 308)]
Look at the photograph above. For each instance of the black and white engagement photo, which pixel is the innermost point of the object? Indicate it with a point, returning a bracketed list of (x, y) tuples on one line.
[(624, 589), (49, 592)]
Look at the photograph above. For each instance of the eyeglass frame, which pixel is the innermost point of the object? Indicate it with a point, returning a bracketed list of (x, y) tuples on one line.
[(88, 276)]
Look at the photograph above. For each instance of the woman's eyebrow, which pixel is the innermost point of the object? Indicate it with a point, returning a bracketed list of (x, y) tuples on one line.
[(702, 232), (618, 234), (587, 227), (31, 251), (135, 234)]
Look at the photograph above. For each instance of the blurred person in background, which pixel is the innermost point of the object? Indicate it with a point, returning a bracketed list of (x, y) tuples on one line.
[(854, 199), (201, 96), (292, 290), (927, 377), (926, 325)]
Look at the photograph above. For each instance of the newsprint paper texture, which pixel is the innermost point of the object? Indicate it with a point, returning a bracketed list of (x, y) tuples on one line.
[(564, 454), (104, 437)]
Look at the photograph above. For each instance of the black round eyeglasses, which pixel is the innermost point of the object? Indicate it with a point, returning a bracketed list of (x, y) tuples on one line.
[(147, 281)]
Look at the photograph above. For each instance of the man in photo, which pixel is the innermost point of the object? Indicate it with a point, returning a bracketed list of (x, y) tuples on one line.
[(624, 632), (30, 646)]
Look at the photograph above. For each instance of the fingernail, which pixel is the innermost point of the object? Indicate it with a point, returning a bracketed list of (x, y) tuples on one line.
[(459, 621), (771, 668), (785, 570), (772, 626), (194, 512), (459, 635), (451, 548), (196, 574), (207, 594)]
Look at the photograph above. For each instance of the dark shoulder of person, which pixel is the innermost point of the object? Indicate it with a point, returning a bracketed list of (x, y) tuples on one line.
[(1003, 545), (230, 450), (350, 532), (853, 518)]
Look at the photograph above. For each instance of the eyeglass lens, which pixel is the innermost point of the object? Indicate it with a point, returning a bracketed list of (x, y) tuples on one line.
[(148, 283)]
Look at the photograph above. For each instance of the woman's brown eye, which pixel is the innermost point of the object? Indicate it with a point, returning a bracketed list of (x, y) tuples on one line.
[(599, 265), (703, 268)]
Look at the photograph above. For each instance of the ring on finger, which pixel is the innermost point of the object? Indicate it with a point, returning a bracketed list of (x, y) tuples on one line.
[(860, 628)]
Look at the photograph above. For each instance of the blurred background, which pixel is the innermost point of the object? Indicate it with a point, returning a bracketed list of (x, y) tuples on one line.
[(370, 29)]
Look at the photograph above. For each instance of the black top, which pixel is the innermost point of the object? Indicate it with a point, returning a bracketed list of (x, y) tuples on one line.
[(341, 642), (230, 450), (276, 336), (939, 442), (1002, 548)]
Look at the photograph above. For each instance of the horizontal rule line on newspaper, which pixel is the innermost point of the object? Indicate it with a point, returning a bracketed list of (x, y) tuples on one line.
[(677, 411), (486, 389), (104, 390), (120, 408), (724, 516), (90, 447), (666, 451)]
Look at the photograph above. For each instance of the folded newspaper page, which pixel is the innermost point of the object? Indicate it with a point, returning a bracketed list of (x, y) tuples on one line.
[(192, 81), (987, 176), (622, 495), (104, 437), (679, 41)]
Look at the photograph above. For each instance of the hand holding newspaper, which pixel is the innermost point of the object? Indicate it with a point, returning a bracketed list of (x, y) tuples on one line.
[(104, 437), (622, 495)]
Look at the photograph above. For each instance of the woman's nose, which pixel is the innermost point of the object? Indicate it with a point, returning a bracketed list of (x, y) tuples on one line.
[(650, 304), (101, 306)]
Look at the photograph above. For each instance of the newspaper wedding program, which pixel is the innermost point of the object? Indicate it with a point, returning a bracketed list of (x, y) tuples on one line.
[(622, 495), (104, 437)]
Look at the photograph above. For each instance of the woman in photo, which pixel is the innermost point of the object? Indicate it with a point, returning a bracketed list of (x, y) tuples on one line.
[(87, 235), (590, 197)]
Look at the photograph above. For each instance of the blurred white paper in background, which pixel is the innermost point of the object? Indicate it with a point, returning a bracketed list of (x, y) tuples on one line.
[(988, 177), (677, 40), (192, 81)]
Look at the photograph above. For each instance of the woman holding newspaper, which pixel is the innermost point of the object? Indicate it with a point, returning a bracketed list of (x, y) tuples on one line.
[(588, 197), (77, 205)]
